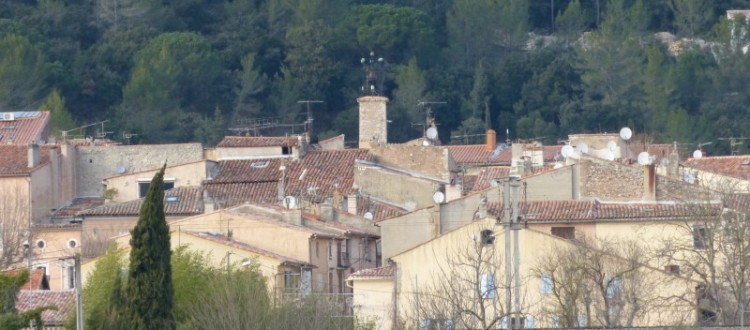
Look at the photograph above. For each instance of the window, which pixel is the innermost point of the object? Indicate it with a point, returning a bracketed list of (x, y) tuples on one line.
[(528, 322), (290, 282), (317, 249), (672, 269), (41, 244), (143, 187), (71, 274), (700, 237), (72, 243), (285, 150), (582, 321), (614, 287), (546, 285), (330, 250), (487, 286), (488, 237), (436, 324), (564, 232)]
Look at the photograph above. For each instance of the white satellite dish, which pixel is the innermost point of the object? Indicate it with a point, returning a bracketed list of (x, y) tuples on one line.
[(583, 148), (438, 197), (612, 145), (121, 169), (567, 151), (626, 133), (609, 155), (432, 133), (644, 158), (493, 183), (697, 154), (290, 202), (368, 216)]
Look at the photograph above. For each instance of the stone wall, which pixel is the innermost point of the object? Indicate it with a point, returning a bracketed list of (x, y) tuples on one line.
[(610, 181), (399, 189), (434, 162), (94, 163), (373, 121)]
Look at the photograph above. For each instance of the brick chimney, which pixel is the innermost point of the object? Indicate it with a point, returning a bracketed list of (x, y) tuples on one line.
[(491, 140), (34, 155), (373, 121), (649, 183)]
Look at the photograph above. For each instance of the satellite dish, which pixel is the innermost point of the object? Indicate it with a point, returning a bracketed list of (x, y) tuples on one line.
[(558, 165), (567, 151), (438, 197), (609, 155), (583, 148), (432, 133), (664, 162), (612, 145), (626, 133), (290, 202), (697, 154), (493, 183), (644, 158), (121, 169), (368, 216)]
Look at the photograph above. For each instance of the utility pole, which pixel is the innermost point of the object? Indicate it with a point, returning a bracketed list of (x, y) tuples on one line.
[(511, 189), (508, 269), (78, 288)]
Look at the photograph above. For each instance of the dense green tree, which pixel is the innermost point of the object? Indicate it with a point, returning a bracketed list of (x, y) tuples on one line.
[(60, 119), (691, 16), (252, 85), (103, 293), (10, 319), (149, 292), (405, 114), (571, 23), (22, 74)]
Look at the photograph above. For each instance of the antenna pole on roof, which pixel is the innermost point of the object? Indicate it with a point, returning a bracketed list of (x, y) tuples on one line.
[(309, 122), (734, 143)]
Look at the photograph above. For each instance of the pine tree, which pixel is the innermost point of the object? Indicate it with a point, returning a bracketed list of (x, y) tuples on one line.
[(150, 294)]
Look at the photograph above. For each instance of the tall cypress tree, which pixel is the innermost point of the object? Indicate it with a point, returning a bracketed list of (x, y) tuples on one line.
[(150, 294)]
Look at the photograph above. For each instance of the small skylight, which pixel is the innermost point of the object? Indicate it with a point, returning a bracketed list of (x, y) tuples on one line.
[(259, 164), (172, 199), (745, 162), (10, 127)]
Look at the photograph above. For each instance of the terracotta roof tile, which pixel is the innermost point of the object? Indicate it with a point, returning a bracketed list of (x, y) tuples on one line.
[(28, 127), (374, 273), (577, 211), (233, 194), (258, 141), (221, 239), (486, 174), (380, 210), (474, 154), (256, 170), (319, 172), (732, 166), (78, 205), (189, 202), (63, 300), (37, 279), (14, 159)]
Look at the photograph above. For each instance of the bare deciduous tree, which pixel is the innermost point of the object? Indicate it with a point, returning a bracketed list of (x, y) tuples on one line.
[(14, 227)]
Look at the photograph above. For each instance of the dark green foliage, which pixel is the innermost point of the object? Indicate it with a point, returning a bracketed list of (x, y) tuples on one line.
[(10, 319), (149, 293)]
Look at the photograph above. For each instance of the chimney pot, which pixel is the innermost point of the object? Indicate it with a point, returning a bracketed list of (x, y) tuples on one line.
[(34, 155), (491, 140)]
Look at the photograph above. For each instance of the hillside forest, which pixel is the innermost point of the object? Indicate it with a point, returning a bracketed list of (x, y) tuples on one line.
[(161, 71)]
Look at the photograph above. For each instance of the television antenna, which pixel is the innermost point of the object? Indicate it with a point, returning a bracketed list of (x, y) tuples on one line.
[(309, 121), (734, 143), (374, 73), (429, 118)]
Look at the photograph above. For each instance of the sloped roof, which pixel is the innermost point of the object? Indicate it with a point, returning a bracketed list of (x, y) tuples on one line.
[(30, 299), (320, 172), (37, 279), (258, 141), (255, 170), (478, 154), (221, 239), (591, 211), (233, 194), (28, 127), (380, 210), (77, 205), (189, 202), (731, 166), (486, 174), (374, 273), (14, 159)]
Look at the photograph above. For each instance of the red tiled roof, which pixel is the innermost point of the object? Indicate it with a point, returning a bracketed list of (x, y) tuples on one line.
[(486, 174), (28, 300), (28, 127), (731, 166), (478, 154), (373, 273), (317, 175), (575, 211), (233, 194), (37, 279), (78, 205), (256, 170), (380, 211), (189, 202), (14, 159), (258, 141), (549, 152), (221, 239)]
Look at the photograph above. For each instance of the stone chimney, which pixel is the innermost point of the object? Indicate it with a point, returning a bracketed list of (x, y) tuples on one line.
[(293, 216), (491, 140), (373, 121), (351, 204), (649, 183), (327, 212), (34, 155), (673, 168)]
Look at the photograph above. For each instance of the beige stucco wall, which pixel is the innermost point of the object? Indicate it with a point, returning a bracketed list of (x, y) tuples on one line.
[(373, 302), (94, 163), (56, 247), (405, 232), (255, 152), (399, 189), (420, 269), (185, 175), (431, 161), (553, 185), (14, 197)]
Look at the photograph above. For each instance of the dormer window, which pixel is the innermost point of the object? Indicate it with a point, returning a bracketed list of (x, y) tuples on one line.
[(488, 237), (286, 150), (259, 164)]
